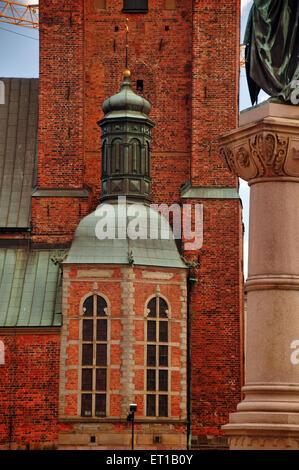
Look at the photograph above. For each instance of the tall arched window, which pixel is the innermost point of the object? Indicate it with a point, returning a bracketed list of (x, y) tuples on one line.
[(94, 357), (157, 358)]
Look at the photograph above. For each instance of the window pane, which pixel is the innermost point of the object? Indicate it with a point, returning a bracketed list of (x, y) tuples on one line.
[(88, 306), (163, 356), (101, 330), (87, 330), (136, 5), (86, 379), (163, 331), (151, 380), (86, 401), (101, 379), (151, 405), (151, 306), (163, 308), (101, 359), (163, 380), (151, 355), (87, 354), (101, 306), (163, 405), (151, 330), (100, 405)]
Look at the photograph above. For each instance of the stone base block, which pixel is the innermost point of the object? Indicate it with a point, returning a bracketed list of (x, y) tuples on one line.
[(263, 431)]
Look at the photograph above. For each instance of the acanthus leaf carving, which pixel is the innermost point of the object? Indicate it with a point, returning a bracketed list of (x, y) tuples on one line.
[(242, 157)]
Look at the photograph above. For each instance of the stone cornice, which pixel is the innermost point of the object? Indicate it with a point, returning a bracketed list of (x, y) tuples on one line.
[(30, 330), (59, 192), (199, 192)]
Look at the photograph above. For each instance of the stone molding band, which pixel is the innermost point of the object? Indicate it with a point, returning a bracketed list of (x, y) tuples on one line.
[(269, 282), (58, 192), (270, 396), (279, 179), (203, 192)]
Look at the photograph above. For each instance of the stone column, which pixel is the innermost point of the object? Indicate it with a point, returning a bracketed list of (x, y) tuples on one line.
[(264, 151)]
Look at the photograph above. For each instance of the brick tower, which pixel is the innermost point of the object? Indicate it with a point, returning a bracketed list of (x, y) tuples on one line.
[(184, 59), (124, 302)]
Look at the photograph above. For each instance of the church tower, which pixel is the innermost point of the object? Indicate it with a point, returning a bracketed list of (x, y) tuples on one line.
[(144, 319)]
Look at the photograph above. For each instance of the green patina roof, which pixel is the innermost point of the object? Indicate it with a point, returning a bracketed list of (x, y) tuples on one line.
[(30, 288), (126, 103), (88, 249)]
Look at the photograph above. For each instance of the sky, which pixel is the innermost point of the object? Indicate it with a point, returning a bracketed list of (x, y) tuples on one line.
[(19, 56), (19, 49), (244, 102)]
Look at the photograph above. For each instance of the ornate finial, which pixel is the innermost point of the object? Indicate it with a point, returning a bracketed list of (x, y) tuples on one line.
[(127, 41), (127, 73)]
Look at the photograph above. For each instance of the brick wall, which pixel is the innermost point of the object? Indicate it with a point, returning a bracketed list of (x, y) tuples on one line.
[(215, 84), (61, 126), (29, 391), (216, 310)]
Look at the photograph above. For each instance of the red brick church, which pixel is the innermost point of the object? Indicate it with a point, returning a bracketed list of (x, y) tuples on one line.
[(89, 325)]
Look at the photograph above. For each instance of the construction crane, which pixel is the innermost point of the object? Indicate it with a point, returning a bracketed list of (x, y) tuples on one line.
[(19, 14)]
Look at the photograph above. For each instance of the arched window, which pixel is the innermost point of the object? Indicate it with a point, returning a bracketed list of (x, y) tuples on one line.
[(157, 358), (94, 357), (135, 156), (104, 158), (116, 156)]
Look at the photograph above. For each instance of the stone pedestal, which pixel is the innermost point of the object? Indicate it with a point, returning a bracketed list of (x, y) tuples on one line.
[(264, 151)]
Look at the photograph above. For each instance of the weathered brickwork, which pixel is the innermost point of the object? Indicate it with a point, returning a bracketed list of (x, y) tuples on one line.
[(61, 95), (61, 125), (215, 74), (54, 219), (29, 388), (216, 318)]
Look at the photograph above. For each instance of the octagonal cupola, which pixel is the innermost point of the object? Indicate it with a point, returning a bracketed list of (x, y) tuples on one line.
[(126, 136)]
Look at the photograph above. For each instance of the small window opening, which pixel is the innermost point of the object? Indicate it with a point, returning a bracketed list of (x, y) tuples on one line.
[(139, 85), (166, 28), (116, 28), (135, 6)]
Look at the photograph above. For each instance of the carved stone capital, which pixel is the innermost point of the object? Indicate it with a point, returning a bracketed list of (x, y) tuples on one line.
[(264, 149)]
